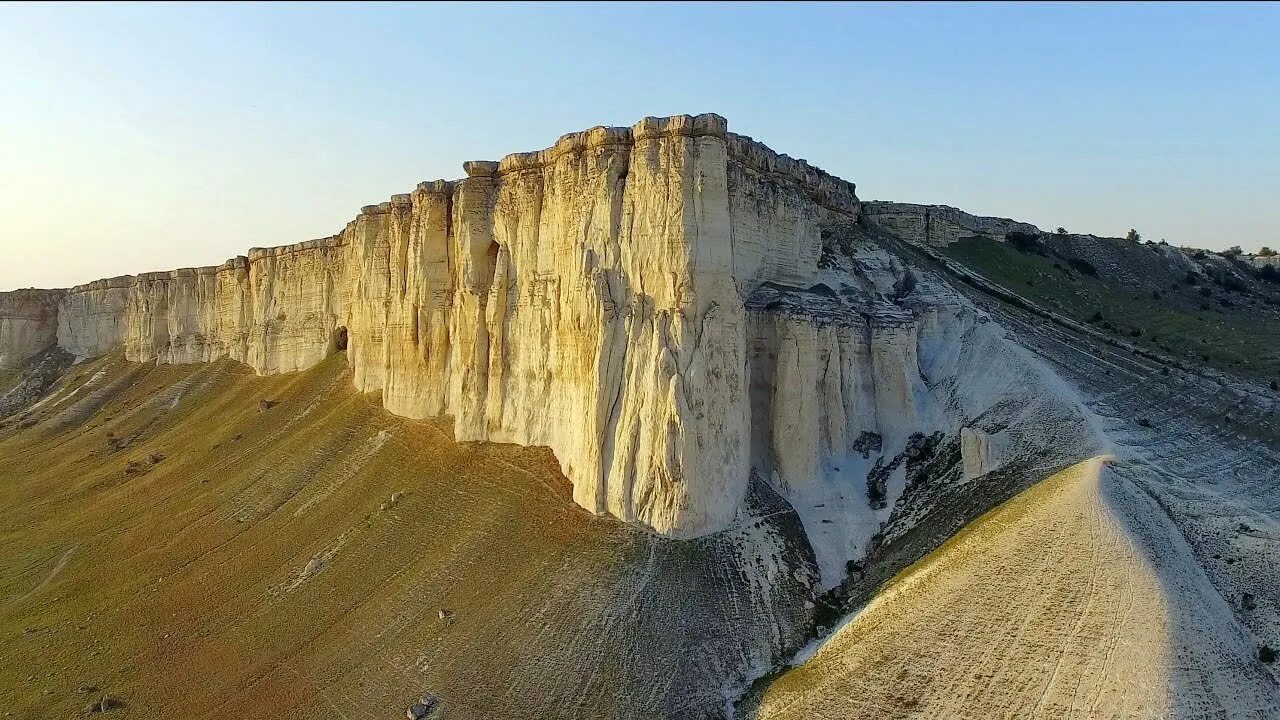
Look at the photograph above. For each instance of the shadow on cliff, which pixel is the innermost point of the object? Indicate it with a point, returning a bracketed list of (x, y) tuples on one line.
[(1193, 491)]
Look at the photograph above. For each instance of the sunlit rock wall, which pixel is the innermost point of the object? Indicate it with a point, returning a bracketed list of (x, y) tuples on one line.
[(587, 297), (28, 324)]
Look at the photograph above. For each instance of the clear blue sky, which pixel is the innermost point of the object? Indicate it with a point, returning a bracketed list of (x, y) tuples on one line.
[(140, 137)]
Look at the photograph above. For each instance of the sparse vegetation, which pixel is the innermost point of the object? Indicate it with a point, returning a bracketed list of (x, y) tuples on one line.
[(1133, 236), (1083, 266), (1242, 341), (1025, 242)]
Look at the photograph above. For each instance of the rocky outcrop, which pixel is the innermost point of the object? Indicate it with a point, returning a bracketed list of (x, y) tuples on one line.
[(939, 225), (859, 383), (587, 297), (28, 324)]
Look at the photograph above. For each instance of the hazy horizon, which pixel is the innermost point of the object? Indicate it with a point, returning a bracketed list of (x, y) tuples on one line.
[(142, 138)]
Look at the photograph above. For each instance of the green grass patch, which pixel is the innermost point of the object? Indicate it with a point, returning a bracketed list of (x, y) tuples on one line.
[(1235, 338)]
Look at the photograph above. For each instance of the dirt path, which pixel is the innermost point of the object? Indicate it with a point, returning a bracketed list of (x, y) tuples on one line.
[(57, 568), (1045, 608)]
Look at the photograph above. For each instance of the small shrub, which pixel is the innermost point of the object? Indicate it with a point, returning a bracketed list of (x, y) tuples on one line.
[(1269, 273), (1267, 252), (1205, 292), (1155, 295), (1096, 317), (1083, 266), (1144, 422), (1025, 242), (1164, 370), (1275, 385), (1133, 236), (1232, 252), (1266, 654), (1233, 283), (1136, 332)]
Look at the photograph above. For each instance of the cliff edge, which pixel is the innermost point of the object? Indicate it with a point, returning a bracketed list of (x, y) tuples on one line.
[(588, 297)]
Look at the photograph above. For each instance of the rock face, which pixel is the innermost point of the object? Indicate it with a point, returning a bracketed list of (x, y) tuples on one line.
[(588, 298), (939, 225), (28, 324), (880, 385), (671, 308)]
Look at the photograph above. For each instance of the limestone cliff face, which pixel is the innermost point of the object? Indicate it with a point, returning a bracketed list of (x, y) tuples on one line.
[(876, 384), (939, 225), (28, 324), (587, 297)]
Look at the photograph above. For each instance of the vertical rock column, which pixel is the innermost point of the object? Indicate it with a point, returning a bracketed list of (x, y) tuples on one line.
[(418, 305), (476, 253), (685, 406)]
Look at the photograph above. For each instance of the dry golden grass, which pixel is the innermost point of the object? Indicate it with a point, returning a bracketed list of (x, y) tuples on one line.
[(181, 585)]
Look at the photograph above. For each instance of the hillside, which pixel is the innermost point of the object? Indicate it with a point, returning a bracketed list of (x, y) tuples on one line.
[(1209, 311), (176, 546), (653, 423), (1076, 599)]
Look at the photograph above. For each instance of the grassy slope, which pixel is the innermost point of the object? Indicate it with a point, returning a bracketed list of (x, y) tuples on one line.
[(1239, 339), (181, 588)]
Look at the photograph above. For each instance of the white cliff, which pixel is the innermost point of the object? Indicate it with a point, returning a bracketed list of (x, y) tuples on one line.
[(669, 307), (28, 324), (587, 297)]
